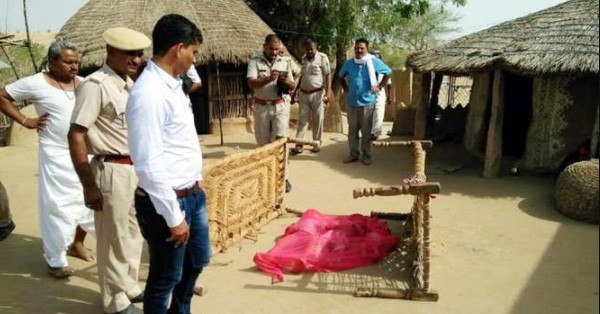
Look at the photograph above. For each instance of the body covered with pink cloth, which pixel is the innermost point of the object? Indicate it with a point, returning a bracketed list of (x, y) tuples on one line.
[(326, 243)]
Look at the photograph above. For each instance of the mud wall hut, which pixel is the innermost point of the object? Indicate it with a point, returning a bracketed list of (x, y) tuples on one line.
[(535, 93), (233, 33)]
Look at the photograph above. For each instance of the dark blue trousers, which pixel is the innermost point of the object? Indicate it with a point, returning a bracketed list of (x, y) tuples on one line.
[(173, 271)]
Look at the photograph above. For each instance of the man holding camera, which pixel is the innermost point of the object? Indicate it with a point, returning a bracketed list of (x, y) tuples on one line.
[(270, 77)]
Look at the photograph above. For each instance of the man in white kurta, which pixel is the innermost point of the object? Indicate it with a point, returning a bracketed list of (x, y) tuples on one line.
[(191, 81), (60, 195), (384, 97)]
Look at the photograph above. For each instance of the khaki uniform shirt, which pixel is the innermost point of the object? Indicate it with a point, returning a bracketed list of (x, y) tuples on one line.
[(314, 72), (100, 107), (259, 66), (295, 68)]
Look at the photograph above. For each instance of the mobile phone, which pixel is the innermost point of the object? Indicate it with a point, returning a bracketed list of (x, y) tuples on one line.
[(282, 74)]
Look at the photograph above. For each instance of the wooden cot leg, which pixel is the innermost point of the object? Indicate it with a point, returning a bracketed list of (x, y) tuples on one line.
[(365, 292)]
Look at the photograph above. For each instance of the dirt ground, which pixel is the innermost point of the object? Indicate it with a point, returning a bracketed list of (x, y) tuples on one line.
[(498, 245)]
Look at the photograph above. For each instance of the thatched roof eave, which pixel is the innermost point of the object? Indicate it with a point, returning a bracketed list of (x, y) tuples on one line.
[(233, 33), (560, 39)]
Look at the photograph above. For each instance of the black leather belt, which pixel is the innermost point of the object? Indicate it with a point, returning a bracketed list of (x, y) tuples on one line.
[(180, 193), (311, 91), (270, 102), (117, 159)]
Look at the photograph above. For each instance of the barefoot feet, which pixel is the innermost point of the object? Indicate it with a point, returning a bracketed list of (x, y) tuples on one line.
[(77, 249), (61, 272)]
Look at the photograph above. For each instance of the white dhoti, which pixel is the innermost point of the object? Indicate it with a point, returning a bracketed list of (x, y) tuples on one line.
[(60, 195), (378, 114), (61, 204)]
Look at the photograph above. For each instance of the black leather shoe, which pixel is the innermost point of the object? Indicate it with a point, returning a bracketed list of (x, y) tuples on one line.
[(129, 310), (138, 298), (6, 231)]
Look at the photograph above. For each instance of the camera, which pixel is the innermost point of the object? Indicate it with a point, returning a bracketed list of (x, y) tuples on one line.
[(282, 88)]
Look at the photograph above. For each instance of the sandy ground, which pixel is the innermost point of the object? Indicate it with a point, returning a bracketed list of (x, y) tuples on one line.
[(498, 245)]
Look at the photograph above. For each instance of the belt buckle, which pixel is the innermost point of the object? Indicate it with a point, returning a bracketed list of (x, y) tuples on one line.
[(270, 102)]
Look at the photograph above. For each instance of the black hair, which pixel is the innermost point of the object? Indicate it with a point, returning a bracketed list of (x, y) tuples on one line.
[(172, 29), (309, 42), (272, 38), (362, 40)]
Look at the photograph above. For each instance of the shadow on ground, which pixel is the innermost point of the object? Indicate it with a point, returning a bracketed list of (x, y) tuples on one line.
[(391, 273), (31, 290), (569, 267), (566, 278)]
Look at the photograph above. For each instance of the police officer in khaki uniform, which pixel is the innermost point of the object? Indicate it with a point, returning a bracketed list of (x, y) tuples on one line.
[(313, 90), (109, 181), (271, 113)]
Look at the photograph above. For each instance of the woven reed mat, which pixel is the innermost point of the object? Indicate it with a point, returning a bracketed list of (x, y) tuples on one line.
[(244, 192)]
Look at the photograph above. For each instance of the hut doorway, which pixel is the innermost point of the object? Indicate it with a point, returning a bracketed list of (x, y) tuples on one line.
[(518, 110), (199, 101)]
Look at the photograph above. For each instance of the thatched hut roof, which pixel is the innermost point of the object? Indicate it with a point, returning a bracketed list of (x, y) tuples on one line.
[(560, 39), (232, 31)]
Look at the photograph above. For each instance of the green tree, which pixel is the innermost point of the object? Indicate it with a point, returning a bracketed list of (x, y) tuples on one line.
[(423, 31), (392, 55), (335, 24)]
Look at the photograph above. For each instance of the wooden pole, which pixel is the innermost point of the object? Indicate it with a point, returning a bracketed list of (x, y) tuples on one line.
[(436, 85), (12, 65), (35, 68), (475, 127), (404, 189), (426, 242), (220, 104), (210, 90), (424, 144), (595, 131), (302, 142), (423, 106), (493, 152)]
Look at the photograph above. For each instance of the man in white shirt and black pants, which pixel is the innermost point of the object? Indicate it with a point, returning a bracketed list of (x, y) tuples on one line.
[(170, 202)]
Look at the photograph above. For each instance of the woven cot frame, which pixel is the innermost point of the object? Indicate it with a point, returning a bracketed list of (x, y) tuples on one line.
[(419, 222), (244, 192)]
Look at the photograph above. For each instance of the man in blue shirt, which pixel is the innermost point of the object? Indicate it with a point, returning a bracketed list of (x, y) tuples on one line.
[(359, 78)]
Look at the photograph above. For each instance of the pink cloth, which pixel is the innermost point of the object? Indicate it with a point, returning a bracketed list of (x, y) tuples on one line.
[(325, 243)]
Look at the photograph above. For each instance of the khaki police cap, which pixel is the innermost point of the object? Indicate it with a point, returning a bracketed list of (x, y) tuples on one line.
[(126, 39)]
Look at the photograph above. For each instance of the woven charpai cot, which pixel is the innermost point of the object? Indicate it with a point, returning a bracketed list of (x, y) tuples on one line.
[(244, 192), (419, 220)]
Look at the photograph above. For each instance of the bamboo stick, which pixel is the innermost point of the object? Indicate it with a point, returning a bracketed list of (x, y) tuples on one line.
[(35, 68), (424, 144)]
